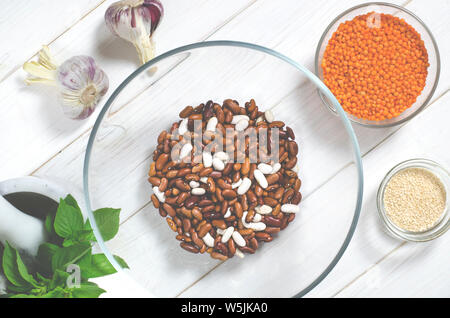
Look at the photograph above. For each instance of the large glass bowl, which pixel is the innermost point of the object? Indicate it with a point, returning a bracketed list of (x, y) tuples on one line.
[(430, 44), (120, 149)]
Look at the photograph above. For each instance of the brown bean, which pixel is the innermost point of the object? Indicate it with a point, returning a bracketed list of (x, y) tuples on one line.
[(272, 178), (155, 181), (155, 201), (186, 225), (189, 247), (186, 111), (262, 236), (293, 148), (152, 170), (204, 202), (277, 124), (278, 193), (270, 201), (204, 229), (172, 224), (197, 214), (290, 132), (297, 184), (208, 208), (245, 167), (163, 184), (189, 203), (297, 198), (169, 209), (276, 210), (197, 168), (238, 209), (183, 186), (219, 256), (192, 177), (251, 196), (231, 248), (223, 185), (220, 224), (228, 168), (250, 215), (258, 191), (186, 212), (253, 243), (273, 230), (229, 194), (161, 161), (205, 172), (215, 174), (232, 106), (211, 185), (246, 249), (182, 197)]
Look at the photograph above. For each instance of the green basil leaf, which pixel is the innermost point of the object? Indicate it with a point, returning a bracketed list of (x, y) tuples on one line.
[(59, 279), (107, 220), (44, 257), (58, 292), (23, 271), (87, 290), (70, 200), (68, 220), (69, 255), (98, 265), (10, 267), (23, 296)]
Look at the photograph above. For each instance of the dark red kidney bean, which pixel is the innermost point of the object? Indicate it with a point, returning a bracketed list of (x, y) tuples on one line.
[(297, 198), (215, 174), (190, 202), (270, 220), (189, 247)]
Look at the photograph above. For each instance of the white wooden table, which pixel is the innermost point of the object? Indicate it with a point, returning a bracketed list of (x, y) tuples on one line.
[(36, 140)]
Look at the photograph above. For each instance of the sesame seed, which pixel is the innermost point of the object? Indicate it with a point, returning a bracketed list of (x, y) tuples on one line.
[(414, 199)]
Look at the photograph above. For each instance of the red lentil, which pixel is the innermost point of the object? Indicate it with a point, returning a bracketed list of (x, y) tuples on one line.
[(375, 70)]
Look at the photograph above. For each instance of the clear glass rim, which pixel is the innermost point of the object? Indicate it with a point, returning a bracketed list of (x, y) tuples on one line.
[(433, 40), (439, 228), (310, 75)]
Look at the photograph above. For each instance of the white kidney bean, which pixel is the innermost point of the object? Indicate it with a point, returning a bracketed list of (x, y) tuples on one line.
[(265, 168), (185, 150), (207, 159), (239, 253), (194, 184), (160, 195), (263, 209), (257, 217), (204, 179), (218, 164), (269, 116), (183, 126), (238, 239), (290, 208), (221, 155), (198, 191), (236, 184), (259, 176), (245, 185), (220, 231), (212, 123), (237, 118), (241, 125), (258, 226), (260, 118), (227, 214), (275, 168), (208, 239), (227, 234), (255, 226)]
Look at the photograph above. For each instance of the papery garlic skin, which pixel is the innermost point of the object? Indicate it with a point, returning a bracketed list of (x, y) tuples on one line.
[(81, 82), (136, 21)]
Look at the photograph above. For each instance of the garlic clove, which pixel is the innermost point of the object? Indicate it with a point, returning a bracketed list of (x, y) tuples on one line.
[(136, 21)]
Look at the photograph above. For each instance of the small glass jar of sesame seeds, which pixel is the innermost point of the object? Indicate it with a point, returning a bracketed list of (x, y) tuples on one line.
[(413, 200)]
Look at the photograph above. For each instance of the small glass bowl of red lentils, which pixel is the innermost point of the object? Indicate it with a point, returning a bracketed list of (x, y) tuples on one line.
[(380, 61)]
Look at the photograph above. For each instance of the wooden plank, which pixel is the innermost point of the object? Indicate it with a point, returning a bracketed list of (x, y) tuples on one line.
[(26, 25), (423, 137)]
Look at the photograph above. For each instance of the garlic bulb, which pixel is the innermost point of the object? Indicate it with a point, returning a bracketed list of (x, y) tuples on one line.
[(136, 21), (80, 81)]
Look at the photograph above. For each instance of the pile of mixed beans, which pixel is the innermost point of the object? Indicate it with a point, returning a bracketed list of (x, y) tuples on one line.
[(225, 200), (376, 66)]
